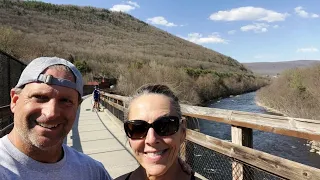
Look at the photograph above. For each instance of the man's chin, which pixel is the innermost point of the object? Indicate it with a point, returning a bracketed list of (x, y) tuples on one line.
[(46, 144)]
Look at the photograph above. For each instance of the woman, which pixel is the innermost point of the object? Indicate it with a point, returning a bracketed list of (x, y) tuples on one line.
[(156, 131)]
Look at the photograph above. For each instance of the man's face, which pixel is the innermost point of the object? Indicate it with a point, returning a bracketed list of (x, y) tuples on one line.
[(44, 114)]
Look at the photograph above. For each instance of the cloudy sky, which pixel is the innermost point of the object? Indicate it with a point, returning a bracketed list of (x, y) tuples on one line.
[(247, 30)]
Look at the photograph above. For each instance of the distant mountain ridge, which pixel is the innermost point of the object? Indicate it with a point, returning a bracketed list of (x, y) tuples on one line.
[(274, 68)]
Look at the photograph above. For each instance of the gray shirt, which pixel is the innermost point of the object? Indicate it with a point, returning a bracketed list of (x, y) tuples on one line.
[(74, 165)]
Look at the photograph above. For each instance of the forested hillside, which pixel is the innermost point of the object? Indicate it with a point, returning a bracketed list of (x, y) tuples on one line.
[(115, 44)]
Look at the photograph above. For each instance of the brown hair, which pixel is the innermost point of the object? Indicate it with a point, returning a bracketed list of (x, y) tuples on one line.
[(158, 89)]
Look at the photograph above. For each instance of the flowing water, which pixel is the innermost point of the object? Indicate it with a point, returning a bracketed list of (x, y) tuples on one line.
[(291, 148)]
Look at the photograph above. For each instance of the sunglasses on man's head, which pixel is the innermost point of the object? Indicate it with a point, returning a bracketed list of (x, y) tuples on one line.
[(163, 126)]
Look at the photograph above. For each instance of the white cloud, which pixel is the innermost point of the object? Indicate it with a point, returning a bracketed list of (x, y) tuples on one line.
[(125, 7), (276, 26), (159, 20), (302, 13), (197, 38), (122, 8), (133, 3), (306, 50), (248, 13), (256, 27), (232, 32)]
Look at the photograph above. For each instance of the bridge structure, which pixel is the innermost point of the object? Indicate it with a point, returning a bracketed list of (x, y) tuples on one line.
[(101, 136)]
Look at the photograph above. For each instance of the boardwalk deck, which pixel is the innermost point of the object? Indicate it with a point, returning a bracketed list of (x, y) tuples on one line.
[(102, 138)]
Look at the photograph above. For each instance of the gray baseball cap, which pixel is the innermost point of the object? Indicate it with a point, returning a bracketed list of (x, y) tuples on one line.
[(34, 73)]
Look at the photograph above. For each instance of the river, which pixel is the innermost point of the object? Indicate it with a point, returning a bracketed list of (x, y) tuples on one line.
[(291, 148)]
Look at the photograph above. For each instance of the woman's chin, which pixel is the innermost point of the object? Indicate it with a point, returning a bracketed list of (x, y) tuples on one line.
[(155, 170)]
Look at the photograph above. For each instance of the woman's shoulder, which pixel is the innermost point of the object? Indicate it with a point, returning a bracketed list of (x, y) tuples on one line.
[(124, 177)]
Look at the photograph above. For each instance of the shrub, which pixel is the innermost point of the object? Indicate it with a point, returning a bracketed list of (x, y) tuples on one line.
[(296, 93), (82, 66)]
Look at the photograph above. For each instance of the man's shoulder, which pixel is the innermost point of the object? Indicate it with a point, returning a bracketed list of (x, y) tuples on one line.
[(93, 167), (75, 156)]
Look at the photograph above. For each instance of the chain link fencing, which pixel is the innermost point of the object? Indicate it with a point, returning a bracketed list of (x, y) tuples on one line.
[(10, 70), (213, 165)]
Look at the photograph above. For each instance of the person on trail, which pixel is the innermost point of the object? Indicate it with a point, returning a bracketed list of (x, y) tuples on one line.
[(45, 104), (96, 99)]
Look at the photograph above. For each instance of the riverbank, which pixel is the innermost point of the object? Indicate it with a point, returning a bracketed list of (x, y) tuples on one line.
[(314, 145)]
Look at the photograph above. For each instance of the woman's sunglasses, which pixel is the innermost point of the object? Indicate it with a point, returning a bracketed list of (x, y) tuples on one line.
[(163, 126)]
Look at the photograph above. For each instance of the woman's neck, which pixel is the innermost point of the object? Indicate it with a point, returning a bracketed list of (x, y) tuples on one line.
[(174, 172)]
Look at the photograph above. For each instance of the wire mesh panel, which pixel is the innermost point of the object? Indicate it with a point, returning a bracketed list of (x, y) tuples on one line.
[(10, 70), (213, 165), (4, 80), (6, 119)]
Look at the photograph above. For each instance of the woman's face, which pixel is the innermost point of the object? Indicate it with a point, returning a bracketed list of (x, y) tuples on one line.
[(155, 153)]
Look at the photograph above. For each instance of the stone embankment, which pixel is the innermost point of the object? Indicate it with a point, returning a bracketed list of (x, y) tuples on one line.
[(314, 145)]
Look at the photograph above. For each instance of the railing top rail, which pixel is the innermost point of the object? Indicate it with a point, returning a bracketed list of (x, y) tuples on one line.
[(296, 127), (118, 97), (5, 109), (17, 60)]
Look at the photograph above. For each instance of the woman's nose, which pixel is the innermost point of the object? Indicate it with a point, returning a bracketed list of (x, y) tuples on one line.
[(152, 137)]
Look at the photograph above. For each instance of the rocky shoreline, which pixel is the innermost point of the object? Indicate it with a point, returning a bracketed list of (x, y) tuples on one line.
[(314, 145)]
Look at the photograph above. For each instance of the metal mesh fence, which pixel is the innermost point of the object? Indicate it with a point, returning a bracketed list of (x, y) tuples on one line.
[(6, 125), (212, 165), (10, 70)]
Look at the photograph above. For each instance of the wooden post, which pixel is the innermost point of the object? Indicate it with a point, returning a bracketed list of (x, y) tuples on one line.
[(241, 136)]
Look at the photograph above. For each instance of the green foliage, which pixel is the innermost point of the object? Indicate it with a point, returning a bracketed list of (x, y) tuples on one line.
[(8, 37), (82, 66), (196, 72), (136, 65), (296, 81)]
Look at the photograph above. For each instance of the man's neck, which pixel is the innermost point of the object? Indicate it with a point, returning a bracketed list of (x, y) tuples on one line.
[(52, 155)]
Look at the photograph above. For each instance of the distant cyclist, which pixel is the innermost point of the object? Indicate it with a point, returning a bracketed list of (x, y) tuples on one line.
[(96, 98)]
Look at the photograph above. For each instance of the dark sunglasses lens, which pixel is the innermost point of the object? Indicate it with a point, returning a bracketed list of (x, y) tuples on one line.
[(136, 129), (166, 126)]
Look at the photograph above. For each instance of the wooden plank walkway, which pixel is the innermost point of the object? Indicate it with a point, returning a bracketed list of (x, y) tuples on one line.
[(100, 136)]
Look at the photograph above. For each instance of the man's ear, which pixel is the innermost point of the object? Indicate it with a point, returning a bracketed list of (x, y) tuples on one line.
[(80, 101), (14, 98)]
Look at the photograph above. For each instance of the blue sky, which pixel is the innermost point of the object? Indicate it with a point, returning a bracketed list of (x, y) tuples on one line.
[(247, 30)]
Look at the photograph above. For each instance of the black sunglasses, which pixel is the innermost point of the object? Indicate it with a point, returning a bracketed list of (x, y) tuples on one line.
[(163, 126)]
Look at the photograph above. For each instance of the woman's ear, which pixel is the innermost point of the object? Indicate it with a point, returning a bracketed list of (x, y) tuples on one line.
[(183, 129)]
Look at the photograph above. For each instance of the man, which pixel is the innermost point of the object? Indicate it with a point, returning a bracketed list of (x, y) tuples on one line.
[(45, 103), (96, 98)]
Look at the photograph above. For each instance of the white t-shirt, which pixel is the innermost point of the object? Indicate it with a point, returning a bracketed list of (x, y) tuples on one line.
[(74, 165)]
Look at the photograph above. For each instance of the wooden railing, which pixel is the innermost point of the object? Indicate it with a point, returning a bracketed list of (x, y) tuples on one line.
[(242, 124)]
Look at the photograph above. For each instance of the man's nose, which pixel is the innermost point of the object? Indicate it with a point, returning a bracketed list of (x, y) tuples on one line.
[(51, 109), (152, 137)]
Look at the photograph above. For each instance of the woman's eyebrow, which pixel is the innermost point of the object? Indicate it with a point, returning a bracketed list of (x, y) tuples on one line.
[(165, 115)]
